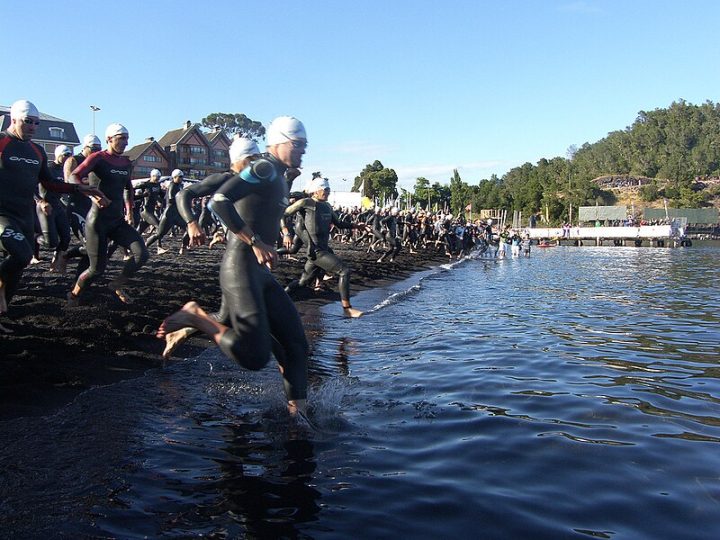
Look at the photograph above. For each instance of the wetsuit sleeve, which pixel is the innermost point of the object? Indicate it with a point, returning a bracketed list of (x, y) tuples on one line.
[(129, 192), (299, 205), (223, 202), (86, 167), (208, 186), (47, 181), (340, 224)]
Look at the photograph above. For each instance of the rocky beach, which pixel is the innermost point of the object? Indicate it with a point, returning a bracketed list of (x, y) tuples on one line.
[(56, 352)]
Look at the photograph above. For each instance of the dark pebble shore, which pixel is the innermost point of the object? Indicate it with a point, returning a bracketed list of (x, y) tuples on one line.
[(56, 352)]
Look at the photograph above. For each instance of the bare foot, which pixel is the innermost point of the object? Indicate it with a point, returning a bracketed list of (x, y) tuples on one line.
[(188, 315), (352, 312), (174, 339), (122, 295), (59, 264)]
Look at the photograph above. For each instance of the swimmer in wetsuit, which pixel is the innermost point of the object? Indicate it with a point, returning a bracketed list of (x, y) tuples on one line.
[(79, 206), (262, 316), (319, 216), (151, 193), (242, 151), (22, 165), (52, 213), (391, 224), (113, 220), (171, 217)]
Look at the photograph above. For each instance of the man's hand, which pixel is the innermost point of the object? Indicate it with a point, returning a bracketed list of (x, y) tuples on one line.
[(266, 255), (97, 196), (196, 234)]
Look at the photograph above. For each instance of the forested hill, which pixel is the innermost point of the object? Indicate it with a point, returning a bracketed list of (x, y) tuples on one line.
[(671, 152)]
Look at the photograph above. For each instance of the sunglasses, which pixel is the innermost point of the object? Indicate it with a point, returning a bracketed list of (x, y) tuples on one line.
[(30, 121), (298, 144)]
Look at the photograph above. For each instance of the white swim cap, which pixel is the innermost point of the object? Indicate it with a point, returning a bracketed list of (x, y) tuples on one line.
[(316, 184), (155, 172), (22, 108), (91, 140), (241, 148), (115, 129), (284, 129), (176, 173), (62, 150), (394, 211), (489, 221)]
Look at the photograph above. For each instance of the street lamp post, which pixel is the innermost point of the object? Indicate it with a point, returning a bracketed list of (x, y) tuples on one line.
[(94, 109)]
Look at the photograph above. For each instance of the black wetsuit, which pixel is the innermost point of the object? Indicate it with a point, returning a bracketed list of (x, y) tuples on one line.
[(206, 220), (319, 215), (55, 227), (112, 176), (184, 201), (262, 315), (390, 222), (376, 225), (78, 207), (300, 235), (22, 165), (171, 217), (151, 193)]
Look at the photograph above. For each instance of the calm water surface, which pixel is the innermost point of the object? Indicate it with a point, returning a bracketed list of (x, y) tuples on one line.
[(574, 394)]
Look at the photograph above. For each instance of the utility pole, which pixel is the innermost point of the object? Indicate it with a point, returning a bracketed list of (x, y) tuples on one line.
[(94, 109)]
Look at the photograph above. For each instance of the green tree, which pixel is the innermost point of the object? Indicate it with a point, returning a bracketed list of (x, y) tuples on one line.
[(460, 194), (377, 182), (422, 192), (650, 192), (441, 196), (233, 124)]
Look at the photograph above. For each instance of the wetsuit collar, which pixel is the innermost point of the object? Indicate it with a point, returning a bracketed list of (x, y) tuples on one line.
[(276, 162)]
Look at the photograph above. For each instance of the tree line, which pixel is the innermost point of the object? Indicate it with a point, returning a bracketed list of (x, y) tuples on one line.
[(671, 146)]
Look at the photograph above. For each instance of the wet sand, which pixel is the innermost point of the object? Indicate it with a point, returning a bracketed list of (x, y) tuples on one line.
[(56, 352)]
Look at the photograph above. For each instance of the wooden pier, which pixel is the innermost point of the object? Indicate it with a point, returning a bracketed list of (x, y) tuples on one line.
[(648, 235)]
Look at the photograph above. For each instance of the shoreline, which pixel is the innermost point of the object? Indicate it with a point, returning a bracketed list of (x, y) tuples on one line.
[(56, 353)]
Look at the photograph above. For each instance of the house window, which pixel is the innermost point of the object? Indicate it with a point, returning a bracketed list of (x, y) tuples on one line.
[(197, 150), (151, 157), (198, 161), (221, 153), (57, 133)]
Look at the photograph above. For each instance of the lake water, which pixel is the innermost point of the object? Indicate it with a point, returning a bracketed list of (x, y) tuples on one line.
[(572, 394)]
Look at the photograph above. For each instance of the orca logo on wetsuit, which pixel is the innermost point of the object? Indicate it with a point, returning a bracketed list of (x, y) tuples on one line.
[(26, 160), (125, 173)]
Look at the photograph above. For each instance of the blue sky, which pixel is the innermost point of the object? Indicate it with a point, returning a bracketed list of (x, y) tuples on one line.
[(423, 86)]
